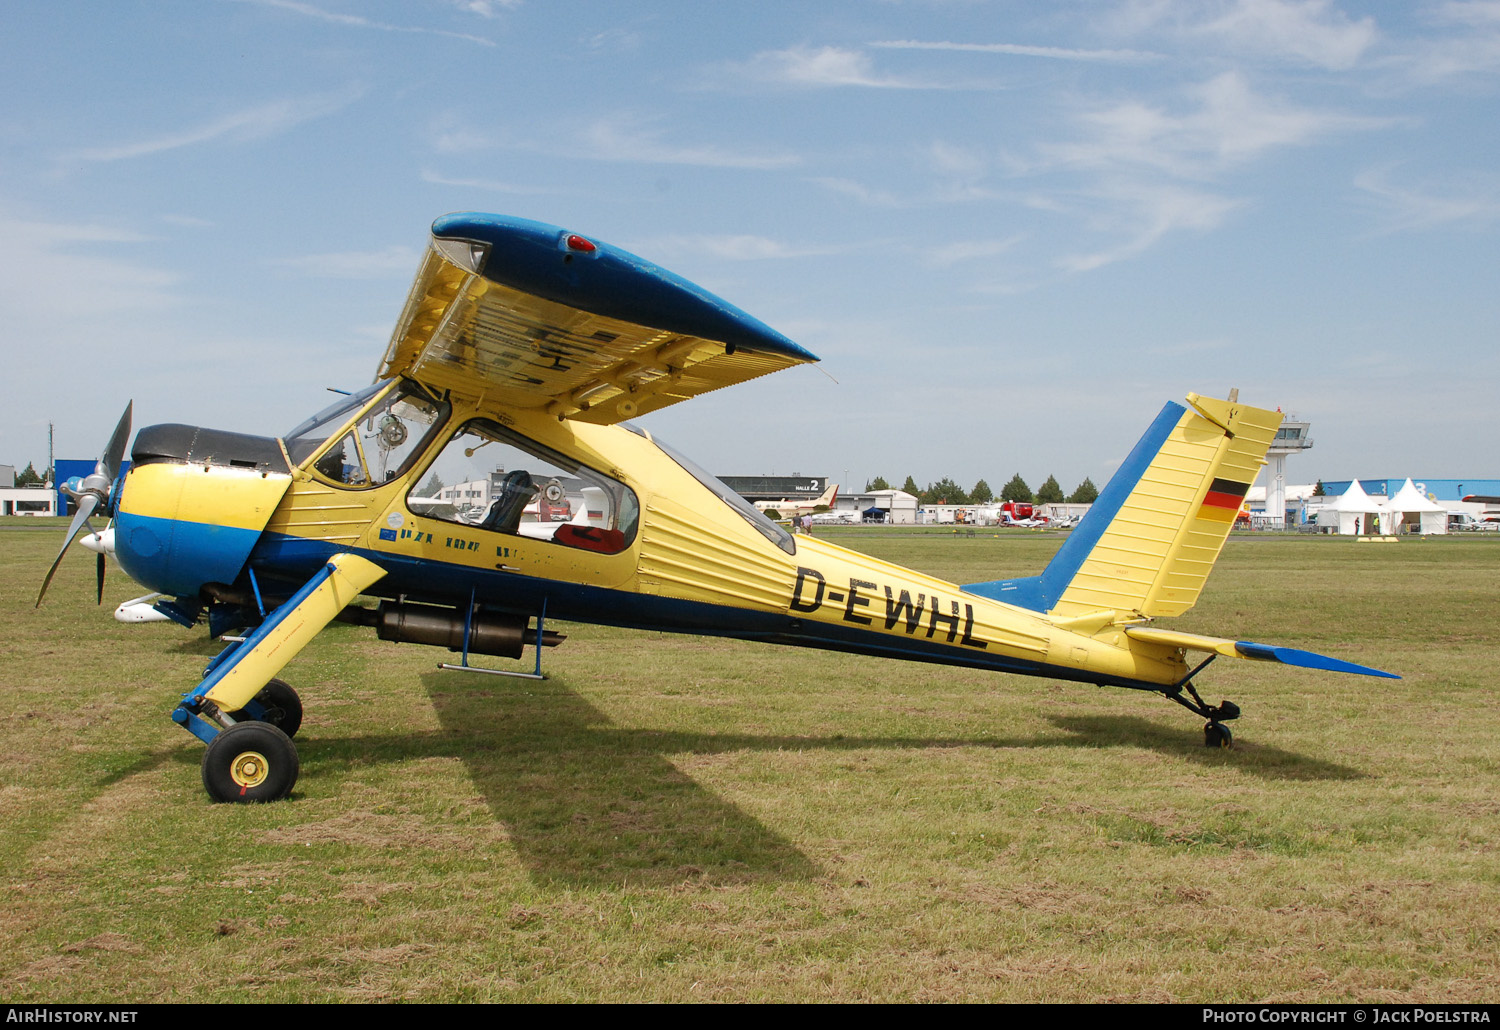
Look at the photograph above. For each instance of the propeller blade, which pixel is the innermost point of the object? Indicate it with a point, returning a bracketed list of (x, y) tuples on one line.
[(99, 573), (86, 505), (115, 452)]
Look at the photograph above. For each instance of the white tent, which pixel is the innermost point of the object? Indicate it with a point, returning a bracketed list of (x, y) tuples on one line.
[(1355, 513), (1415, 513)]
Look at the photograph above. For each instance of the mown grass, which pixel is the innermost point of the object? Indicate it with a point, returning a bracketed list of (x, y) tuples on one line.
[(681, 818)]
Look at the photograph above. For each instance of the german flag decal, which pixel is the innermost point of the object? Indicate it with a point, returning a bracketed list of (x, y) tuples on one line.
[(1222, 503)]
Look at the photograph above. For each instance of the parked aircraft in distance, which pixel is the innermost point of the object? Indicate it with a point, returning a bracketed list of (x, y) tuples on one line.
[(796, 507)]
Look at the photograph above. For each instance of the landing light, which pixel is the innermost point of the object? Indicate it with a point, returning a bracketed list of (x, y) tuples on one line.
[(466, 254)]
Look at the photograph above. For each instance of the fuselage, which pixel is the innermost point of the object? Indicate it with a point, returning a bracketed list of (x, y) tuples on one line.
[(655, 544)]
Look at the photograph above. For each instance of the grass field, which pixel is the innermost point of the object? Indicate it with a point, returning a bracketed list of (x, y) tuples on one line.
[(677, 818)]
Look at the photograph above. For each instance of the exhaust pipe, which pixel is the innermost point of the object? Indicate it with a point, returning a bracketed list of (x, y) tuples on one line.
[(492, 633)]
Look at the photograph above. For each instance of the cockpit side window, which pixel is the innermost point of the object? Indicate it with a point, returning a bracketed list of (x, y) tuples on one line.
[(493, 478), (393, 430), (747, 511)]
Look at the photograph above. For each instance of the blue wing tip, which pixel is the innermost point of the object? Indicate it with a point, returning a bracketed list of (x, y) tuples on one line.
[(624, 284)]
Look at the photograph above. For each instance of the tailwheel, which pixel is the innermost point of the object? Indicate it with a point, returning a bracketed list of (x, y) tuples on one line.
[(279, 705), (1215, 733), (250, 762)]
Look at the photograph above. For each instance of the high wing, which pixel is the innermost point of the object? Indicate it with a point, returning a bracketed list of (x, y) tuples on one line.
[(531, 315)]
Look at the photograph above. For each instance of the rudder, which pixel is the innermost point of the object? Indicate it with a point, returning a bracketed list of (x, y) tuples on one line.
[(1150, 540)]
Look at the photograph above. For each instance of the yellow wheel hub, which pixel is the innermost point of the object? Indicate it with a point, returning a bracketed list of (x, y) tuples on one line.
[(249, 769)]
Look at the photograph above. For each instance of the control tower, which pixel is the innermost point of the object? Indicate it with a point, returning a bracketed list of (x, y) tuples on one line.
[(1291, 438)]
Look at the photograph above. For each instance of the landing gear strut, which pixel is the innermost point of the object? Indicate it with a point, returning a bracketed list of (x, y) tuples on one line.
[(246, 717), (1215, 733)]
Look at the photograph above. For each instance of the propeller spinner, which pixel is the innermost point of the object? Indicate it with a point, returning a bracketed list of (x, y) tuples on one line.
[(93, 494)]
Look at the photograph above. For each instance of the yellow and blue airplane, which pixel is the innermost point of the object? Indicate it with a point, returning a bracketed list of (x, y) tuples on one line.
[(539, 345)]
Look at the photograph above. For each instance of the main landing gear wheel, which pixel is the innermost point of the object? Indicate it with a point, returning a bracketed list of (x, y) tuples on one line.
[(283, 708), (250, 762), (1217, 735)]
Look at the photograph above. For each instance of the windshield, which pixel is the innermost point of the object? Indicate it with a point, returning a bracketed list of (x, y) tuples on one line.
[(768, 529), (304, 439), (391, 432)]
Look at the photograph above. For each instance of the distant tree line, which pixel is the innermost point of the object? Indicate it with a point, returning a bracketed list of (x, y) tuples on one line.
[(29, 477), (946, 491)]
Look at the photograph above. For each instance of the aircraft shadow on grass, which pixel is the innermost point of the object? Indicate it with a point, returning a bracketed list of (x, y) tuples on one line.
[(586, 802), (1262, 760)]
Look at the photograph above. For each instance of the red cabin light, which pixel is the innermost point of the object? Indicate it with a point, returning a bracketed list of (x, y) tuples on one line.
[(580, 244)]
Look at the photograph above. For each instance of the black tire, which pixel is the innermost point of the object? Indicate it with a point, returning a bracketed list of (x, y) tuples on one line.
[(283, 707), (250, 762), (1217, 735)]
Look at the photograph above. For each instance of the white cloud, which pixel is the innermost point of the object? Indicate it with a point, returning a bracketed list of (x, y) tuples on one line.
[(1470, 204), (485, 8), (1313, 31), (360, 22), (859, 191), (624, 139), (355, 264), (489, 185), (823, 66), (48, 269), (742, 247), (250, 123), (1473, 48), (1230, 125), (954, 252), (1143, 214), (1015, 49)]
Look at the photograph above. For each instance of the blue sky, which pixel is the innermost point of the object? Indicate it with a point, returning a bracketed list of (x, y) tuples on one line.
[(1012, 230)]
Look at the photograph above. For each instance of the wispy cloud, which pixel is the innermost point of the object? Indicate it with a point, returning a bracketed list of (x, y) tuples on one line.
[(955, 252), (1313, 31), (866, 195), (488, 185), (1145, 213), (360, 22), (826, 66), (1020, 50), (626, 139), (1474, 46), (486, 8), (744, 247), (1144, 165), (1472, 204), (1228, 125), (250, 123), (355, 264), (51, 267)]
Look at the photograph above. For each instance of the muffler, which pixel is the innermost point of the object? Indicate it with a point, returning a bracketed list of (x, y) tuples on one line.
[(490, 633)]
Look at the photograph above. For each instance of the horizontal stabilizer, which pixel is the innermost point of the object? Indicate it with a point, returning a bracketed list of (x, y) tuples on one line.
[(1305, 659), (1251, 650)]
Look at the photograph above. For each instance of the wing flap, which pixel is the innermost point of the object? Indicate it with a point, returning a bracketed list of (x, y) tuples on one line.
[(532, 316)]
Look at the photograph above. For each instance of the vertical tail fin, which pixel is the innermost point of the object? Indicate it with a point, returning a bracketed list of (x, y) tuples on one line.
[(1149, 542)]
